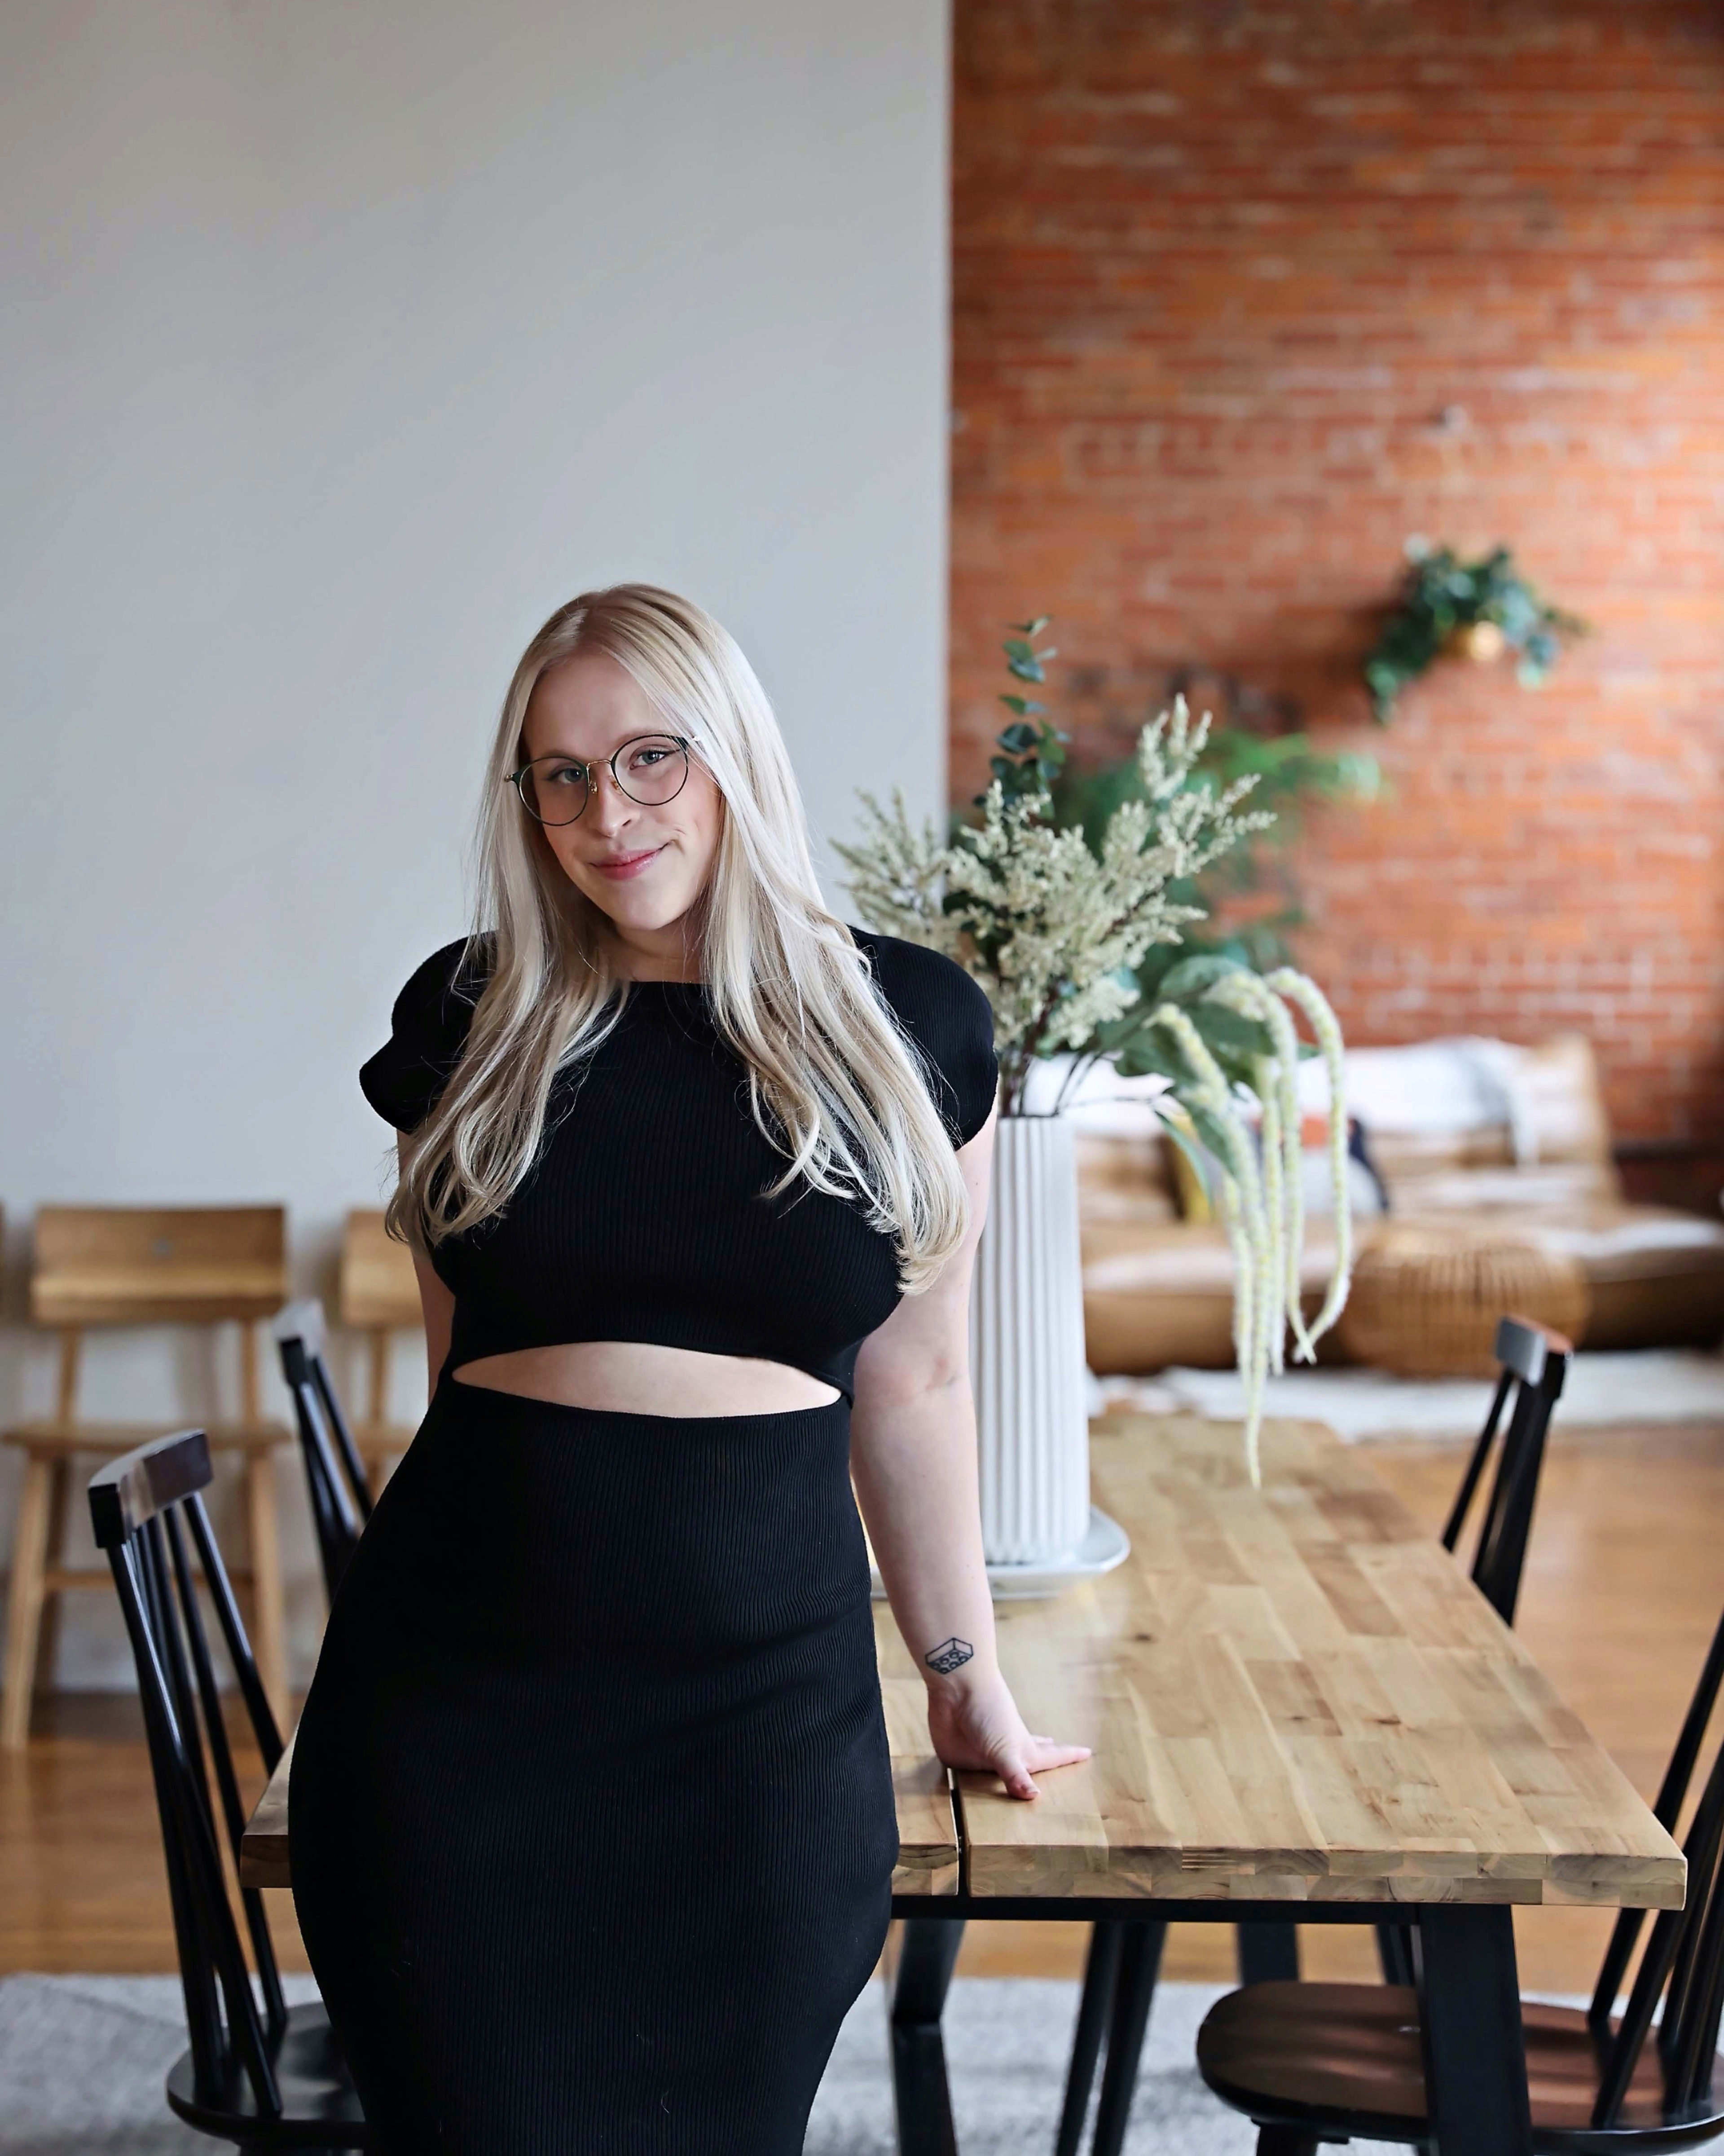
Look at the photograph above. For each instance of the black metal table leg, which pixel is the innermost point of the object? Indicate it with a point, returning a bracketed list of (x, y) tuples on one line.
[(1269, 1953), (1470, 2011), (926, 1951), (1139, 1965), (1394, 1952), (1101, 1970)]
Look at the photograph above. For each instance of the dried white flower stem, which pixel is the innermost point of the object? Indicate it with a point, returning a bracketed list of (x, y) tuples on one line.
[(1278, 1089), (1256, 1301), (1301, 989), (1263, 1205)]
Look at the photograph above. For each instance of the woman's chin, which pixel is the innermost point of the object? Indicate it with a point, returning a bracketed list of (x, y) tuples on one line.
[(641, 912)]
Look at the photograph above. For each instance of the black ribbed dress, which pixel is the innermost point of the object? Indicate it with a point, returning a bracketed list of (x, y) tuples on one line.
[(592, 1812)]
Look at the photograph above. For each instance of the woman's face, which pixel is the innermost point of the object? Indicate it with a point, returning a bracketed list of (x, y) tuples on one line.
[(642, 866)]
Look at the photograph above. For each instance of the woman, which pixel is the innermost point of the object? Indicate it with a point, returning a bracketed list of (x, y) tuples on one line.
[(592, 1816)]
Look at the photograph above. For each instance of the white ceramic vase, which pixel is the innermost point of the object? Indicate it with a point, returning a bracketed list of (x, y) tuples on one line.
[(1027, 1349)]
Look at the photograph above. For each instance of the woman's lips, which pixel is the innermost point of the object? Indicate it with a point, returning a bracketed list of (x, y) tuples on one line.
[(622, 865)]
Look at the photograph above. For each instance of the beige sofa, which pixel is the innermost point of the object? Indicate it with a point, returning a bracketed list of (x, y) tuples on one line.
[(1477, 1131)]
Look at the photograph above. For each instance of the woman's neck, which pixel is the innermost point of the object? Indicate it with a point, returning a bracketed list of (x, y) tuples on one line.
[(656, 955)]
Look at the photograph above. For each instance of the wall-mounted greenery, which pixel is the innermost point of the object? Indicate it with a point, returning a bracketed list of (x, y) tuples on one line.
[(1479, 608)]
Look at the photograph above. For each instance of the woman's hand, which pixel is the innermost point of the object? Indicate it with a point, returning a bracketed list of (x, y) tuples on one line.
[(979, 1726)]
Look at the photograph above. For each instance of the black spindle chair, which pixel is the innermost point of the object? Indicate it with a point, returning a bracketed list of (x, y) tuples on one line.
[(341, 1495), (258, 2075), (1120, 1974), (1296, 2057), (1533, 1365)]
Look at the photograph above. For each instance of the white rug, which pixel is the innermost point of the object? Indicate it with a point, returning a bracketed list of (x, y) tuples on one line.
[(82, 2060), (1649, 1385)]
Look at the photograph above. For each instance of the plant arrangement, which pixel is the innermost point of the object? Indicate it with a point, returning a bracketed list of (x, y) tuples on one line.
[(1054, 922), (1290, 774), (1481, 608)]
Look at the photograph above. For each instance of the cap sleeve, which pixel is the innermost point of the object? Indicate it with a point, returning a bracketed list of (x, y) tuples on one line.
[(946, 1011), (427, 1032)]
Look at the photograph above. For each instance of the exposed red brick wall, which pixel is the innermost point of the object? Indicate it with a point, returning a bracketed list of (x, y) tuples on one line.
[(1219, 269)]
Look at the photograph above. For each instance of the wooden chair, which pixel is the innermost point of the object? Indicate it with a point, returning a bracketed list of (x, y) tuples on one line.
[(257, 2074), (335, 1475), (378, 1295), (1124, 1959), (110, 1267), (1317, 2062)]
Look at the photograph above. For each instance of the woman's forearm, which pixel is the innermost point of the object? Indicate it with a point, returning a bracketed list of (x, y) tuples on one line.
[(913, 1459)]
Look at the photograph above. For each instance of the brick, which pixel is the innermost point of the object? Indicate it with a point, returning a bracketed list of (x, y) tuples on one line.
[(1216, 275)]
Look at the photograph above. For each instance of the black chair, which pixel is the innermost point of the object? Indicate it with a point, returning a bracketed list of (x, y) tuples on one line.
[(1533, 1364), (257, 2075), (1317, 2062), (1124, 1959), (335, 1475)]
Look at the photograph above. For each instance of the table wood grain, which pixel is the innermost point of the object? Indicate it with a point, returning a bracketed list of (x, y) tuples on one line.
[(1293, 1695)]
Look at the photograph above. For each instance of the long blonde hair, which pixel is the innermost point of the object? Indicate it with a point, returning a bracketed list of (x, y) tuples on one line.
[(834, 1083)]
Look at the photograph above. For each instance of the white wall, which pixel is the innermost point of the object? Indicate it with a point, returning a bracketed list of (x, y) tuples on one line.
[(341, 342)]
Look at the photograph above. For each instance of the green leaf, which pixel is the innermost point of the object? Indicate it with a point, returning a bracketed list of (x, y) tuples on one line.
[(1203, 1166), (1209, 1130), (1147, 1056), (1190, 976), (1031, 628), (1021, 704), (1230, 1032)]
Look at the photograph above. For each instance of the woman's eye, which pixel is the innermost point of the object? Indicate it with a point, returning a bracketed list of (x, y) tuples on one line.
[(566, 774)]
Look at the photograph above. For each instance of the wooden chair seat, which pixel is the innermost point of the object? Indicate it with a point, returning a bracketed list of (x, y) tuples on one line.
[(382, 1440), (1298, 2054), (50, 1435)]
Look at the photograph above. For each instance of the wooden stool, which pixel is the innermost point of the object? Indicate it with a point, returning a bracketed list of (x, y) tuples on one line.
[(378, 1295), (128, 1266)]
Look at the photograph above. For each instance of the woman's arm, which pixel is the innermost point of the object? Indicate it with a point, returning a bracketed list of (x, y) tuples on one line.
[(913, 1458), (437, 1303)]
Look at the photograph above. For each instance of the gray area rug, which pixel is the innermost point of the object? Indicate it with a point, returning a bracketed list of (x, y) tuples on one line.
[(82, 2060)]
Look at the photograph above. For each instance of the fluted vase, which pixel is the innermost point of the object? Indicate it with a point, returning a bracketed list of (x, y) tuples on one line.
[(1027, 1349)]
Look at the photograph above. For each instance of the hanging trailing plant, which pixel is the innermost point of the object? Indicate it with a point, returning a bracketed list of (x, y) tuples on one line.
[(1481, 608)]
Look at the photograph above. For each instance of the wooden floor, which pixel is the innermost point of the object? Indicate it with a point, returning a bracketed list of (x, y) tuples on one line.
[(1624, 1586)]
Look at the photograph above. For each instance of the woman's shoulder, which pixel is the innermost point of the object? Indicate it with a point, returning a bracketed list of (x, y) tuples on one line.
[(945, 1012), (427, 1031)]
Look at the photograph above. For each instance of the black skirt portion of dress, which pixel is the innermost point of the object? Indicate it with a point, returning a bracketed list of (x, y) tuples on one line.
[(591, 1805)]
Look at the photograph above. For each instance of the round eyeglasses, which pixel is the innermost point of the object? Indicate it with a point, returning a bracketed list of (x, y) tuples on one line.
[(651, 768)]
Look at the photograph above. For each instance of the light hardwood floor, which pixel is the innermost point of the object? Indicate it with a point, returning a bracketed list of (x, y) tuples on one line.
[(1624, 1586)]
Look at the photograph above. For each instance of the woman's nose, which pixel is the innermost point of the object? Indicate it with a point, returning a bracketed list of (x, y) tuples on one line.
[(612, 807)]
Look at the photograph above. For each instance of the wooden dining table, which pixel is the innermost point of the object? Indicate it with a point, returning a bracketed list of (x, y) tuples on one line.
[(1299, 1708)]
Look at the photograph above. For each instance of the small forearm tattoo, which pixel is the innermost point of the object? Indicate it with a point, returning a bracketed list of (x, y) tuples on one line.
[(949, 1655)]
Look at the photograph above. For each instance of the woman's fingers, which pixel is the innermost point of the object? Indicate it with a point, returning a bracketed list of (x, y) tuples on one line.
[(1017, 1768), (1016, 1775)]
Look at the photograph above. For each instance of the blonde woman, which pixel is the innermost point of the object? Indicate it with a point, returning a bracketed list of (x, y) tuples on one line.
[(594, 1829)]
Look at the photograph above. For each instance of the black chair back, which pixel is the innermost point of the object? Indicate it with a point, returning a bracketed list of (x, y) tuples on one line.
[(1532, 1363), (1533, 1366), (341, 1495), (1684, 1961), (141, 1508)]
